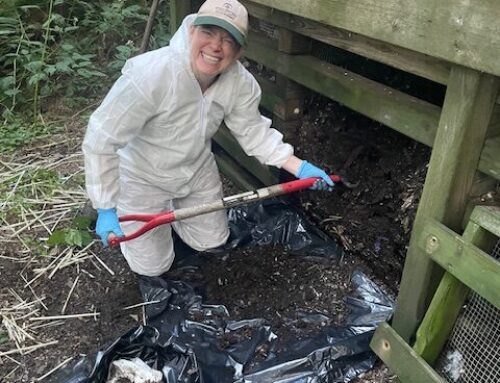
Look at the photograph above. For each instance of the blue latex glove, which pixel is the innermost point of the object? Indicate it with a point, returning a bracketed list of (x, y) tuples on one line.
[(307, 170), (107, 223)]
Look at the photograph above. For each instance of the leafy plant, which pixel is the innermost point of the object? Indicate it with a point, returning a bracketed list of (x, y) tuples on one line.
[(62, 47), (17, 133), (77, 235)]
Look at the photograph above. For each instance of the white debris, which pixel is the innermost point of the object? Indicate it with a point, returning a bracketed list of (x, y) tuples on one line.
[(454, 365), (133, 371)]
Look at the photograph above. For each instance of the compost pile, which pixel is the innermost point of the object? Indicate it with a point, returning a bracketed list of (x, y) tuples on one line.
[(371, 221)]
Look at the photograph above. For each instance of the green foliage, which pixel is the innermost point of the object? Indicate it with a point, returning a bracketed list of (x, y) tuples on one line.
[(17, 133), (70, 237), (77, 235), (64, 48)]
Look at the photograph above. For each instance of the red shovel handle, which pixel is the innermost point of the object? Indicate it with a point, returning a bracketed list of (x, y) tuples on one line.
[(152, 220), (306, 183)]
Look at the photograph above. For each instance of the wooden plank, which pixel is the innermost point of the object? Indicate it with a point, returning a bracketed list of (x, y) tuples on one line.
[(408, 115), (263, 173), (481, 193), (475, 268), (282, 39), (288, 88), (236, 174), (466, 113), (410, 61), (487, 217), (462, 32), (179, 9), (401, 358), (490, 159), (293, 43), (440, 318), (286, 110), (494, 128), (449, 299)]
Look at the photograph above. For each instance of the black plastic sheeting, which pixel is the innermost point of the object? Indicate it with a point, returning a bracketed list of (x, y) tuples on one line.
[(187, 340)]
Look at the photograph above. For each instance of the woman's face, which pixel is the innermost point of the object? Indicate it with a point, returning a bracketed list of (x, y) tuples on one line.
[(213, 50)]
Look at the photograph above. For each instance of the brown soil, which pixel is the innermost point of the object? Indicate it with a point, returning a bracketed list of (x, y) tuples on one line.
[(372, 221)]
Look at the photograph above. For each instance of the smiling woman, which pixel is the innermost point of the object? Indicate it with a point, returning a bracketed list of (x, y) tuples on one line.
[(152, 134), (213, 50)]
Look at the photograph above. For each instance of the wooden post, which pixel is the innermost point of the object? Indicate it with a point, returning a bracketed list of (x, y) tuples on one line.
[(401, 358), (461, 133), (447, 303), (178, 10)]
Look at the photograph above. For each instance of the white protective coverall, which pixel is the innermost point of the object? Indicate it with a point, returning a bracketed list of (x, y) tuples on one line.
[(148, 147)]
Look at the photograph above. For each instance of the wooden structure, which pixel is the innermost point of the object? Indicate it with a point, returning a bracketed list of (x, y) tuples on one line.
[(449, 42)]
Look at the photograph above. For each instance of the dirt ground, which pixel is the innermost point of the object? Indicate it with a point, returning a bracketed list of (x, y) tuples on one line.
[(372, 221)]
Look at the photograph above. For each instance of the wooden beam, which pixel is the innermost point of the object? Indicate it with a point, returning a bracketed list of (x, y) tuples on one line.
[(487, 217), (450, 296), (410, 61), (408, 115), (462, 32), (401, 358), (230, 145), (475, 268), (490, 159), (494, 128), (236, 174), (286, 110), (440, 318), (179, 9), (462, 128)]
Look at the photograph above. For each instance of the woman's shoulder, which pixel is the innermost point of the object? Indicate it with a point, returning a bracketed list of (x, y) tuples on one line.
[(153, 63)]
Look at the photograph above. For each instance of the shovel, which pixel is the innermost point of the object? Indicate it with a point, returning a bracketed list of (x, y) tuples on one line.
[(154, 220)]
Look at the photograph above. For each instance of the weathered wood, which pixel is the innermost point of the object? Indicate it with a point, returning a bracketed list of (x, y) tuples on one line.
[(466, 113), (287, 88), (293, 43), (408, 115), (282, 39), (462, 32), (401, 358), (231, 146), (281, 86), (236, 174), (490, 158), (440, 318), (286, 110), (178, 10), (449, 298), (480, 194), (487, 217), (494, 128), (466, 262), (410, 61)]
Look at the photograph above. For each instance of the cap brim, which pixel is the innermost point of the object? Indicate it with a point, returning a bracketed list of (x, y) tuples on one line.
[(210, 20)]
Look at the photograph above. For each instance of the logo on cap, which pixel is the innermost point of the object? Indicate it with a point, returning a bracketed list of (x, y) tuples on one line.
[(226, 11)]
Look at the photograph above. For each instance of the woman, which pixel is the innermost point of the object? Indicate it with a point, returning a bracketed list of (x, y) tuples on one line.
[(147, 147)]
